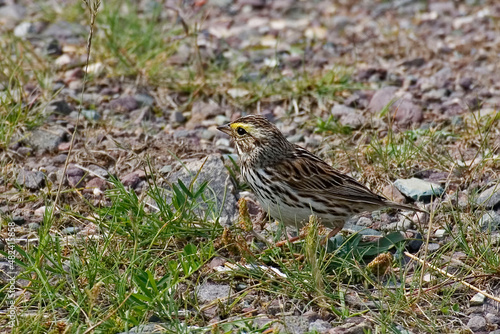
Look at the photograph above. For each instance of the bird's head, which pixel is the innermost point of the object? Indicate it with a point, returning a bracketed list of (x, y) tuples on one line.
[(256, 139)]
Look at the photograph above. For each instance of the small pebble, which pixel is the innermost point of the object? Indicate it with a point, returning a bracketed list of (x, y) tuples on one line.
[(18, 220), (70, 230), (166, 169), (476, 323), (440, 233), (477, 299), (91, 115), (33, 226)]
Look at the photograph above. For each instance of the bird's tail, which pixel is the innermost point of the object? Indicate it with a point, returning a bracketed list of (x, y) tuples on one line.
[(395, 205)]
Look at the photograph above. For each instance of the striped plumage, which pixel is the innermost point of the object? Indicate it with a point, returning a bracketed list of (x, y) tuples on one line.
[(292, 183)]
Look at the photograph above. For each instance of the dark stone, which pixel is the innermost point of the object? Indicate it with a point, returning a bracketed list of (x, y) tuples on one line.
[(95, 183), (31, 180), (416, 62), (131, 180), (18, 220), (124, 104), (60, 107), (54, 48), (60, 159), (65, 31), (46, 140), (414, 244), (490, 198), (75, 176), (70, 230), (465, 83)]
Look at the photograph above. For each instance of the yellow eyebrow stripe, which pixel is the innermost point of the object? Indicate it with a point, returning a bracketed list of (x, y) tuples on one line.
[(244, 126)]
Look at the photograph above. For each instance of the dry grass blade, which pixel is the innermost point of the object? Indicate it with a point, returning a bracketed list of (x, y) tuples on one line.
[(453, 277)]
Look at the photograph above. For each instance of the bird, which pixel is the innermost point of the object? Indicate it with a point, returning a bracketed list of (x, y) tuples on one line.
[(291, 183)]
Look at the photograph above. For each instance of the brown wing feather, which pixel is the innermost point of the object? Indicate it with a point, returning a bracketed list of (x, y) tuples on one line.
[(308, 174)]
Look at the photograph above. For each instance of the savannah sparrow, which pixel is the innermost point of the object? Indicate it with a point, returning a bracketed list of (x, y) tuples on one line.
[(292, 183)]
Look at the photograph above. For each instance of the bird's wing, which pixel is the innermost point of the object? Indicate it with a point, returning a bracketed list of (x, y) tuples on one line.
[(307, 174)]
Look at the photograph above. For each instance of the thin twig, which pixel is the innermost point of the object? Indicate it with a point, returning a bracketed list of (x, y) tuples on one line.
[(426, 246), (93, 14), (453, 277)]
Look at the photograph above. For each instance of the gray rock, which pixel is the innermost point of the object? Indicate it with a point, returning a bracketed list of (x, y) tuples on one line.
[(220, 3), (140, 115), (153, 328), (166, 169), (33, 226), (435, 95), (24, 29), (353, 325), (405, 111), (382, 98), (442, 8), (70, 230), (177, 117), (144, 100), (490, 198), (476, 323), (221, 192), (60, 107), (98, 170), (442, 78), (340, 22), (10, 15), (440, 233), (31, 180), (295, 324), (221, 119), (403, 224), (415, 62), (95, 183), (91, 115), (432, 247), (348, 116), (364, 221), (415, 243), (124, 104), (207, 134), (208, 292), (75, 176), (492, 318), (64, 31), (46, 140), (18, 220), (131, 180), (477, 299), (401, 330), (418, 189), (490, 221), (320, 326), (222, 142), (60, 159), (25, 151), (296, 138), (465, 83), (361, 230)]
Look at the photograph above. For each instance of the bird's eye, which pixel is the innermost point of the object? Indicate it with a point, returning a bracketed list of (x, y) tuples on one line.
[(241, 131)]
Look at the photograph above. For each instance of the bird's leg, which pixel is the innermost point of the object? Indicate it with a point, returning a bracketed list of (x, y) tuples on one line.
[(331, 234)]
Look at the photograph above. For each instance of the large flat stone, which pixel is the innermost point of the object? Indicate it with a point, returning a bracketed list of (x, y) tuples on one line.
[(418, 189)]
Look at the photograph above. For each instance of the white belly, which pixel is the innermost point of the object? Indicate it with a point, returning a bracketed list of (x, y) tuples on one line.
[(280, 207)]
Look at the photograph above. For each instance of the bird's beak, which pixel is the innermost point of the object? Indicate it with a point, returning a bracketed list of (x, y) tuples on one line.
[(226, 129)]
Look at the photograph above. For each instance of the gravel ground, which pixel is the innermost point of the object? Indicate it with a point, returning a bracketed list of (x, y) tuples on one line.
[(436, 61)]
